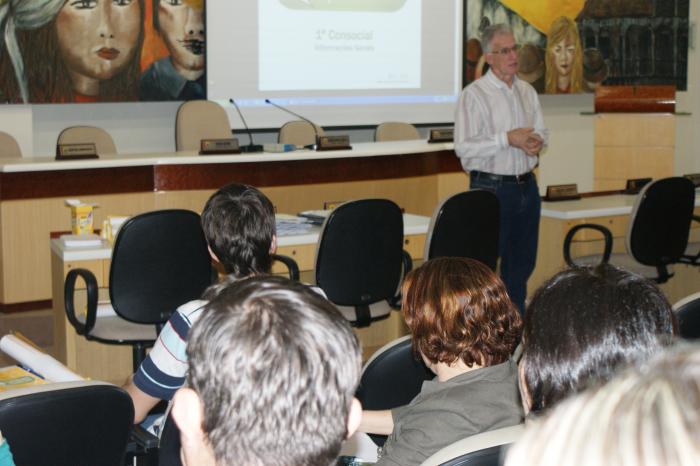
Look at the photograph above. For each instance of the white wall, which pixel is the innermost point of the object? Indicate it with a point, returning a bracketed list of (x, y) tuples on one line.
[(149, 127)]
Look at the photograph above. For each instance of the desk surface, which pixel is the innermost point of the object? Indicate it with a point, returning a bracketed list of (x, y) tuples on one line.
[(363, 149), (603, 206), (412, 225)]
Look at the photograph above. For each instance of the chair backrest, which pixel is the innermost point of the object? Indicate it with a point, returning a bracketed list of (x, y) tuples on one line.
[(197, 120), (465, 225), (658, 230), (392, 377), (104, 144), (67, 424), (299, 133), (8, 146), (359, 253), (159, 262), (395, 131), (687, 312), (483, 449)]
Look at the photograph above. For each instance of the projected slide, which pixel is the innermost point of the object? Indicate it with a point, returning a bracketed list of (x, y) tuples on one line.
[(339, 44)]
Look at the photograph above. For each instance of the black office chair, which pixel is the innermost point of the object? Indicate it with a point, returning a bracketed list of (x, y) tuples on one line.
[(465, 225), (486, 457), (67, 424), (360, 258), (687, 312), (485, 449), (691, 255), (657, 235), (159, 262), (392, 377)]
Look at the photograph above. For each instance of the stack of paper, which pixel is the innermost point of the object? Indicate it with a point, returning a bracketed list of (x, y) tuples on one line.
[(81, 241), (38, 361)]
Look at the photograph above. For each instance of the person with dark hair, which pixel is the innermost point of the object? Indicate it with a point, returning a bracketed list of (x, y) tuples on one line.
[(584, 325), (239, 226), (648, 416), (273, 369), (499, 134), (181, 75), (465, 328)]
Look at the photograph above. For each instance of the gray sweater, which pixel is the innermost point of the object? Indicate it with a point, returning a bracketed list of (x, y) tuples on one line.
[(444, 412)]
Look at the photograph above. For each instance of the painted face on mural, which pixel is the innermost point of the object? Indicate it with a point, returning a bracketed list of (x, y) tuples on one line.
[(182, 28), (97, 38), (563, 57)]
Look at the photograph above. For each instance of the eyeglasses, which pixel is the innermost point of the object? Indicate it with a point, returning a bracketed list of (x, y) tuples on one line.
[(507, 50)]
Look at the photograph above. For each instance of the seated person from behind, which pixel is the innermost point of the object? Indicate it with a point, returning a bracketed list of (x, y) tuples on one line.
[(239, 226), (465, 328), (583, 326), (273, 369)]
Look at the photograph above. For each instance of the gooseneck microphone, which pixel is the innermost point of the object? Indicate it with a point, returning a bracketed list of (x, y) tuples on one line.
[(310, 146), (252, 147)]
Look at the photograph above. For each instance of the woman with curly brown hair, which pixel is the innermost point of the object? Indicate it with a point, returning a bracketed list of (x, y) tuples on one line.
[(464, 327)]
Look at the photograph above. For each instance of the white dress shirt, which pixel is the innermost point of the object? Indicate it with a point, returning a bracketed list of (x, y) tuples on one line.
[(486, 111)]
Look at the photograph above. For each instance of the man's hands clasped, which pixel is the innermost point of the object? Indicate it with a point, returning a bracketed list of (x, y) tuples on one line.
[(526, 139)]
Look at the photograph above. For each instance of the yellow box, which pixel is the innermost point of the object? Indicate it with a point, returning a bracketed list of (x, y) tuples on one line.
[(81, 219)]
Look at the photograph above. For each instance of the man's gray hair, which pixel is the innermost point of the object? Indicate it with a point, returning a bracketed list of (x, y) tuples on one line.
[(276, 366), (491, 32)]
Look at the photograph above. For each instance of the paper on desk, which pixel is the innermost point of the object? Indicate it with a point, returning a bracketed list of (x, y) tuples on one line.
[(36, 360), (81, 241), (292, 226)]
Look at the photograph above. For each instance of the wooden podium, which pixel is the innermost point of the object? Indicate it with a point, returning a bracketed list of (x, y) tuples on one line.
[(635, 134)]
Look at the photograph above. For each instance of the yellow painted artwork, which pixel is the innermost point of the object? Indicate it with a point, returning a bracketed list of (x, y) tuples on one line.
[(541, 13)]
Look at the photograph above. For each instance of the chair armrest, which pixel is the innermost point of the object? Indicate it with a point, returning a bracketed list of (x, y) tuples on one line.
[(92, 295), (143, 438), (607, 235), (407, 266), (407, 261), (696, 218), (290, 263)]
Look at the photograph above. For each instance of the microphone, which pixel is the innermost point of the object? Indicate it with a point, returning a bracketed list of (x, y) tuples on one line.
[(323, 143), (252, 147), (310, 146)]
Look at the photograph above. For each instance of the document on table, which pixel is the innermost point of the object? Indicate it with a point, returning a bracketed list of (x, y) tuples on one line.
[(291, 225)]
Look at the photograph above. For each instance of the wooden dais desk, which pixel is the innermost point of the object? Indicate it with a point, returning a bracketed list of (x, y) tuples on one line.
[(613, 212)]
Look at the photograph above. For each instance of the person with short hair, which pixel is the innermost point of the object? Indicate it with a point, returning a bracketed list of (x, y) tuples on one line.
[(239, 226), (499, 133), (646, 417), (583, 326), (273, 369), (465, 328)]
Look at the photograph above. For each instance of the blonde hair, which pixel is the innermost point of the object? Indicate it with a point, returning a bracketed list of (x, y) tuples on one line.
[(647, 417), (563, 29)]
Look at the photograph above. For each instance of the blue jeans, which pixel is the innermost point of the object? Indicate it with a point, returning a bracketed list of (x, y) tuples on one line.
[(520, 222)]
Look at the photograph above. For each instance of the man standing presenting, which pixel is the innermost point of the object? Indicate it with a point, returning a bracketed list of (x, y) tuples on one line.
[(499, 133)]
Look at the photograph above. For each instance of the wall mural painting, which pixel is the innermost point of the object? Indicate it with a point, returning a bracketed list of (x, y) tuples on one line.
[(66, 51), (571, 46)]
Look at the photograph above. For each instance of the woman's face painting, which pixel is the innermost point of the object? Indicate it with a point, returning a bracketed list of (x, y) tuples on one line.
[(563, 57), (97, 38)]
